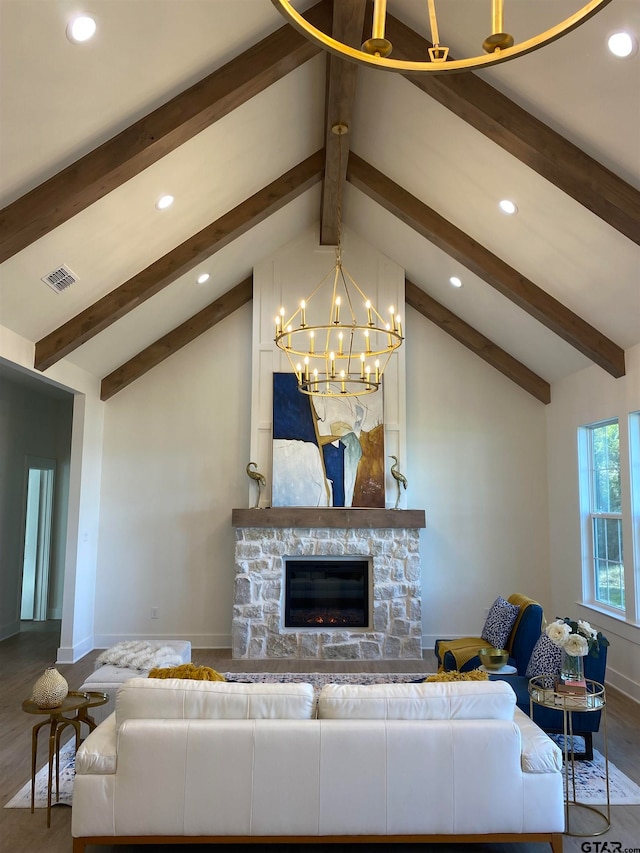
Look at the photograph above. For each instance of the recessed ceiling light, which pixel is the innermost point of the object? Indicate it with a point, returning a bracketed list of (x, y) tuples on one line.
[(202, 278), (622, 44), (454, 281), (508, 207), (81, 28), (164, 202)]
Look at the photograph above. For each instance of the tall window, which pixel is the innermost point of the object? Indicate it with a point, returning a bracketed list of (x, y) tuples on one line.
[(605, 514)]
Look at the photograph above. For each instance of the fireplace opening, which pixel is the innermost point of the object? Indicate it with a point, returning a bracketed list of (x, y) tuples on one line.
[(325, 593)]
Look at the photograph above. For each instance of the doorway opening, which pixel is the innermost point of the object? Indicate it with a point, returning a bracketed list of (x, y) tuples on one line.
[(36, 562)]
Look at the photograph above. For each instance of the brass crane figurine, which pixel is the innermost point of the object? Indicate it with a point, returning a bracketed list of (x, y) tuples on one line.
[(398, 477), (259, 478)]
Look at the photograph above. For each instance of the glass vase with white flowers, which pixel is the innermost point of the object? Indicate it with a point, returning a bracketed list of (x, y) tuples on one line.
[(576, 639)]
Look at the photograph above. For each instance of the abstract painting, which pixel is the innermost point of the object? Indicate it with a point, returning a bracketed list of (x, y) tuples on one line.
[(327, 451)]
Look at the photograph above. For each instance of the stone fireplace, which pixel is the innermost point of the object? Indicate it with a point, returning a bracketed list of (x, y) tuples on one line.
[(386, 541)]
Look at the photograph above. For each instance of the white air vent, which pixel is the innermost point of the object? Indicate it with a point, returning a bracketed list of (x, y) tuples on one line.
[(60, 279)]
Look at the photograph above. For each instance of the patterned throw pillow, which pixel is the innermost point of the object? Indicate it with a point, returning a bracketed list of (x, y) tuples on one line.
[(545, 658), (500, 621)]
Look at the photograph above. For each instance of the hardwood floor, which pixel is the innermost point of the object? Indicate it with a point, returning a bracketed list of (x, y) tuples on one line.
[(24, 657)]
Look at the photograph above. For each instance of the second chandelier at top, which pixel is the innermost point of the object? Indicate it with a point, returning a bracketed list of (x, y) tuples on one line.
[(498, 46)]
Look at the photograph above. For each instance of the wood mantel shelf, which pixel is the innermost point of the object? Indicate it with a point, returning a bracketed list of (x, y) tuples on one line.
[(333, 517)]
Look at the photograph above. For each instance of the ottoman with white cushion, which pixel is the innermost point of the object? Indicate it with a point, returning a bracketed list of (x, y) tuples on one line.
[(109, 677)]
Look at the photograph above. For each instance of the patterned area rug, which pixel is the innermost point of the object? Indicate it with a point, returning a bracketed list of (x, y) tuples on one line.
[(590, 775), (22, 800), (319, 679)]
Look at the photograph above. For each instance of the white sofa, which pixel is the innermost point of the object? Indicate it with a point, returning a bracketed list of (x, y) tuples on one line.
[(403, 762)]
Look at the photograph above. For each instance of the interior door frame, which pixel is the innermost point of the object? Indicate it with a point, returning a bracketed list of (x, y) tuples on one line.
[(42, 464)]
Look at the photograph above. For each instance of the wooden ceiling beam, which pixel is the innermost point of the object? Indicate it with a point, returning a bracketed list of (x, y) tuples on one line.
[(525, 137), (506, 280), (348, 20), (174, 340), (477, 342), (179, 261), (156, 135)]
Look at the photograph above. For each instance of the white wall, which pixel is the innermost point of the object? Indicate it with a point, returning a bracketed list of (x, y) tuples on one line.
[(587, 397), (494, 469), (176, 444), (476, 454), (177, 441)]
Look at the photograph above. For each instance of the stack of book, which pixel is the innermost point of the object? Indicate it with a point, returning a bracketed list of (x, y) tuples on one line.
[(572, 688)]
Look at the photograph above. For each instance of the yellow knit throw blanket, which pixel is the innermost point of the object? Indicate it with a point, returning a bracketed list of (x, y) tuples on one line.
[(462, 649), (454, 675), (465, 648), (187, 670)]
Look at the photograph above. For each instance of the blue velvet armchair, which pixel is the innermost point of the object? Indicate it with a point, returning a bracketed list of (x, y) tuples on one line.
[(523, 638)]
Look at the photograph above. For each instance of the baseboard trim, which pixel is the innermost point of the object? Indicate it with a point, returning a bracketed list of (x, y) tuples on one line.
[(9, 629), (429, 640), (72, 654), (623, 684)]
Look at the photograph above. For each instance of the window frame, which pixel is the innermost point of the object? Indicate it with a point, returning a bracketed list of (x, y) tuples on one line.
[(589, 515)]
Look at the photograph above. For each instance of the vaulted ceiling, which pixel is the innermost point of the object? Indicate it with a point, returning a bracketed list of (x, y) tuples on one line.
[(226, 107)]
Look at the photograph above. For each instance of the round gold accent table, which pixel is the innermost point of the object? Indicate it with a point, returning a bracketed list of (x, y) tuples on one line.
[(543, 691), (78, 705)]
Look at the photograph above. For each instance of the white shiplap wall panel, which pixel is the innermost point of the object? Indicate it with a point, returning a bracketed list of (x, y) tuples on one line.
[(284, 279)]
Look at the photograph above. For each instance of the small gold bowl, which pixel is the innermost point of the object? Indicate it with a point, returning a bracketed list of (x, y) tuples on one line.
[(493, 659)]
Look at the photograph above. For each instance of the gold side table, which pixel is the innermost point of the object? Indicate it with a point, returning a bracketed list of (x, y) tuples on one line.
[(78, 705), (542, 692)]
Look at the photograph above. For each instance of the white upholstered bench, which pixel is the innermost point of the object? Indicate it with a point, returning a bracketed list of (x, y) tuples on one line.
[(109, 677)]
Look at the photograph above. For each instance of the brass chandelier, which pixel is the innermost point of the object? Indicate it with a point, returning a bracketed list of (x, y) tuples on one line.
[(498, 45), (344, 350)]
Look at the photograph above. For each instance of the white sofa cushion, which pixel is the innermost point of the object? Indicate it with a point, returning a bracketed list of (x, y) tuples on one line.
[(175, 698), (464, 700)]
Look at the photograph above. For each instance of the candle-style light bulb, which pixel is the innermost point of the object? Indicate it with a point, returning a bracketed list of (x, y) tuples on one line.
[(392, 311), (340, 343), (277, 325), (299, 372), (377, 366), (306, 368), (337, 319), (303, 321), (289, 336), (361, 365), (332, 364), (367, 341), (344, 390), (367, 305), (388, 327), (315, 379), (399, 324), (368, 371), (312, 342)]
